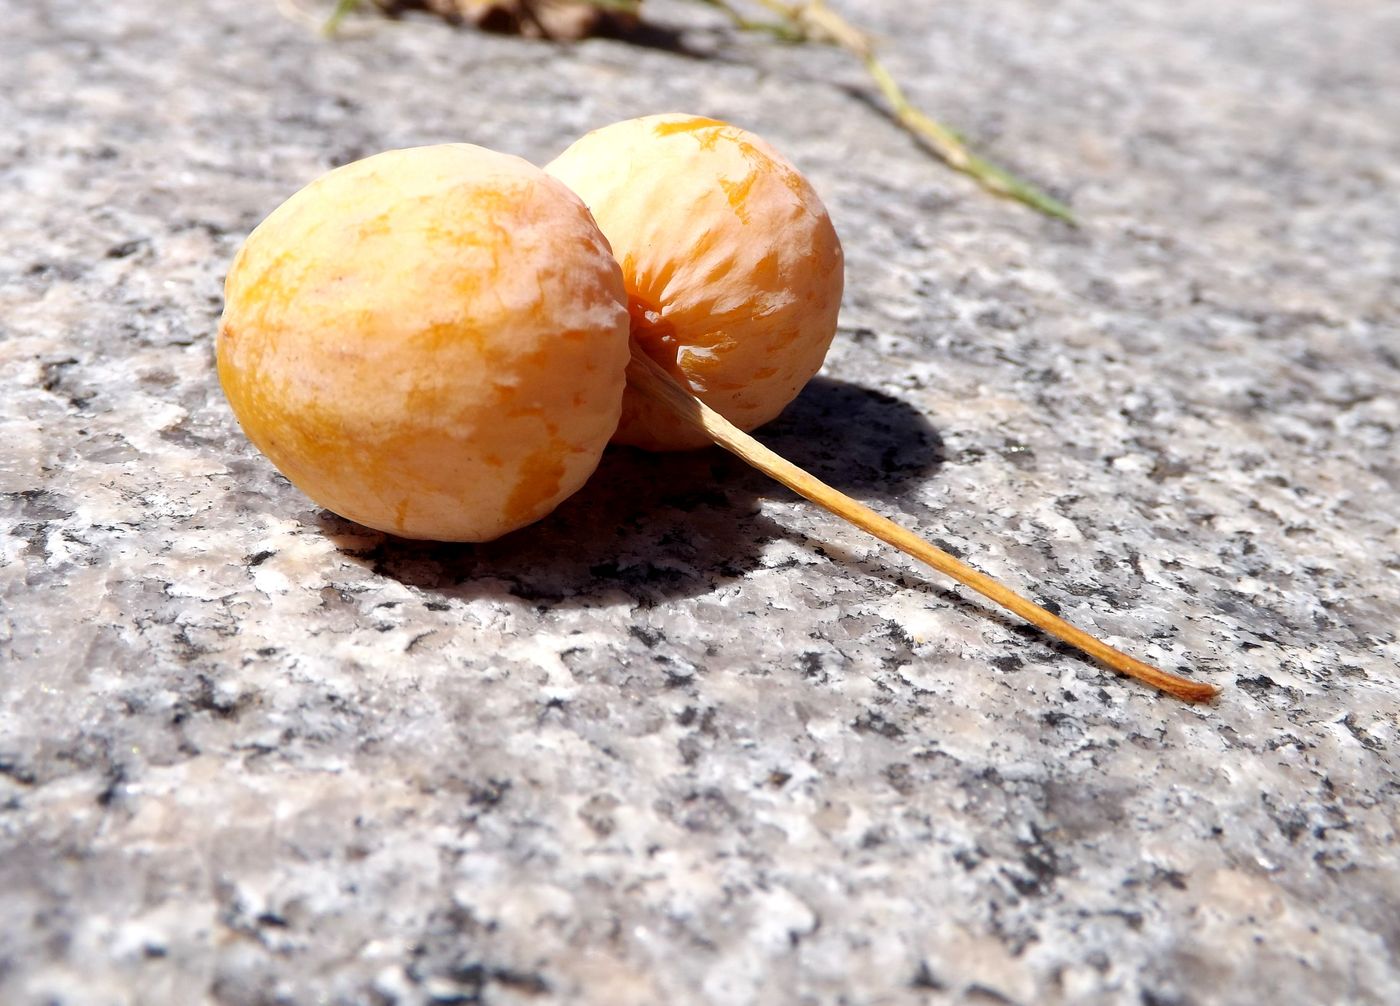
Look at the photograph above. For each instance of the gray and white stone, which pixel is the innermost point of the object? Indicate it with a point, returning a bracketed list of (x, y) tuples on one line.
[(689, 740)]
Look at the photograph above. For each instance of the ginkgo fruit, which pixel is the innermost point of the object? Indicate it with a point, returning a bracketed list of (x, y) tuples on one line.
[(733, 269), (439, 342), (429, 341)]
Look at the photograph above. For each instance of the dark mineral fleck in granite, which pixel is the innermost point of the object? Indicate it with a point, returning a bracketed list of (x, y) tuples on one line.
[(688, 740)]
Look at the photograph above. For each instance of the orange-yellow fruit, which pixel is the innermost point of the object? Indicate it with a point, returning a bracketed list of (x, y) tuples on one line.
[(733, 269), (430, 341)]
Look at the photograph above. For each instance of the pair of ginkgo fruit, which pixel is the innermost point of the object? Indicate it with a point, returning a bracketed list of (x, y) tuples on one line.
[(439, 342)]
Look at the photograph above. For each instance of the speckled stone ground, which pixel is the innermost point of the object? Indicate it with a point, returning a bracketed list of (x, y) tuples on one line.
[(687, 741)]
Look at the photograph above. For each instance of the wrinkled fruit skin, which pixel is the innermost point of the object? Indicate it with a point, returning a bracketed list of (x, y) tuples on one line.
[(431, 342), (733, 269)]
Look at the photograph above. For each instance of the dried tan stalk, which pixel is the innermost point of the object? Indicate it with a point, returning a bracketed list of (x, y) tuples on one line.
[(651, 379)]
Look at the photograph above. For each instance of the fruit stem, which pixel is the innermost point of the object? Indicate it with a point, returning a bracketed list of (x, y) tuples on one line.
[(955, 153), (808, 19), (651, 379), (343, 9), (783, 31)]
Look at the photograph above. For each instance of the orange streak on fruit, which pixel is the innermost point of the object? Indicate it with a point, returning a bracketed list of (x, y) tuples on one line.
[(738, 194), (540, 476), (689, 125)]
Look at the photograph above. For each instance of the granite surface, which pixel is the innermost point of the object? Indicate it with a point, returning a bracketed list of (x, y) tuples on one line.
[(688, 740)]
